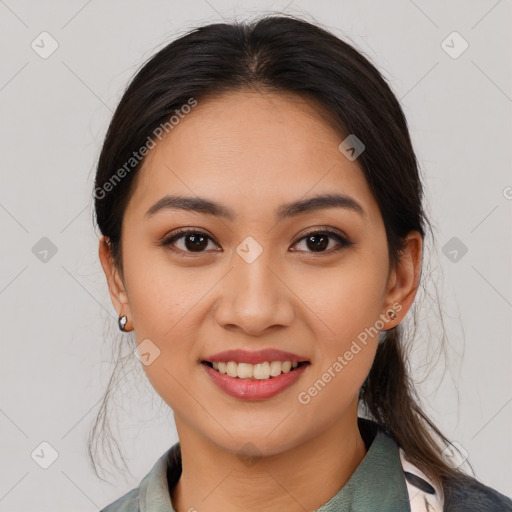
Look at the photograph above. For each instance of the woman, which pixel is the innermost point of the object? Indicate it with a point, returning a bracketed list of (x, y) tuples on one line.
[(262, 235)]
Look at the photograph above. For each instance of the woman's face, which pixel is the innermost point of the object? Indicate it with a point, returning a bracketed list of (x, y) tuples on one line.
[(255, 280)]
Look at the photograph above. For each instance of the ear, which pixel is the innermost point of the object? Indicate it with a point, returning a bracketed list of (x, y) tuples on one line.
[(116, 287), (403, 281)]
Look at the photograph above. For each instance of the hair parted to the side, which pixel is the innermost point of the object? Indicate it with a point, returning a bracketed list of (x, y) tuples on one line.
[(285, 54)]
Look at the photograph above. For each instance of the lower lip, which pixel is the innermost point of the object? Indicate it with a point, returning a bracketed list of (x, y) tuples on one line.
[(254, 389)]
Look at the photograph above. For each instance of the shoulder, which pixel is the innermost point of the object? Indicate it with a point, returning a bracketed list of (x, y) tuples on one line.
[(466, 494), (127, 503), (471, 494), (153, 490)]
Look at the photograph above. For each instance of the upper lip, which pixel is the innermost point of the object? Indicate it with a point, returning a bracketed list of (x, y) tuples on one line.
[(260, 356)]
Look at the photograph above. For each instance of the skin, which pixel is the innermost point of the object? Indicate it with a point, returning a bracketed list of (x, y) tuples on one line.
[(252, 152)]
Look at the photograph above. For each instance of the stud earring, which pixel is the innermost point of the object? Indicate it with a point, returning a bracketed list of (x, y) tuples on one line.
[(122, 322), (391, 314)]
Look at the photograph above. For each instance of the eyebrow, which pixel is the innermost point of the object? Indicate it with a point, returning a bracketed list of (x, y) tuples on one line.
[(287, 210)]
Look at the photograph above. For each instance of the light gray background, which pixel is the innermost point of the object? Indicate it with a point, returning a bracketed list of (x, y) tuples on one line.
[(57, 321)]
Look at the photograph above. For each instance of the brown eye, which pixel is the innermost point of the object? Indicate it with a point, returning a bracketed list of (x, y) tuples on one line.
[(318, 241), (193, 241), (197, 242)]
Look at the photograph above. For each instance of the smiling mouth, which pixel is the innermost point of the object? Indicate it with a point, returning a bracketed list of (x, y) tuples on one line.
[(263, 371)]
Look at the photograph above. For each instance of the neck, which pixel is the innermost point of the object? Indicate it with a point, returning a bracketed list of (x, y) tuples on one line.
[(301, 478)]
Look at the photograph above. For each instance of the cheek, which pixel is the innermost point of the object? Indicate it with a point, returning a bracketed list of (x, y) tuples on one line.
[(161, 294), (346, 301), (163, 301), (345, 352), (347, 304)]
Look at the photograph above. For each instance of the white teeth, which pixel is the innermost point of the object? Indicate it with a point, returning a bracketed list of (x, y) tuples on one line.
[(231, 369), (261, 371), (275, 368), (244, 370)]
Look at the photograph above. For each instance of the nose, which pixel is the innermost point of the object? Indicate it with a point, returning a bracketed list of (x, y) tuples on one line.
[(254, 297)]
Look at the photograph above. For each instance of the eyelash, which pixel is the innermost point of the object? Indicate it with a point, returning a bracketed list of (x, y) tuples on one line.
[(344, 243)]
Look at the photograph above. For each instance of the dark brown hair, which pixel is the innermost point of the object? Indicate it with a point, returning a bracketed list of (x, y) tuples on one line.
[(284, 54)]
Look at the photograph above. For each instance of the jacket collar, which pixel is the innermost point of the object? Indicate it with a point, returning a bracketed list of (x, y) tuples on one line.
[(378, 483)]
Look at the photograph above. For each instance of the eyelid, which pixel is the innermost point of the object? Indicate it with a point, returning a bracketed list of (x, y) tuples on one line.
[(323, 229)]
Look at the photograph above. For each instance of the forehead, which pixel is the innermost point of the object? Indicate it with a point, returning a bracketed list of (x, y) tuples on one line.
[(250, 150)]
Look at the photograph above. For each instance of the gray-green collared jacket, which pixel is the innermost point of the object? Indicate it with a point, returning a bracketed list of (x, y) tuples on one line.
[(384, 481)]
